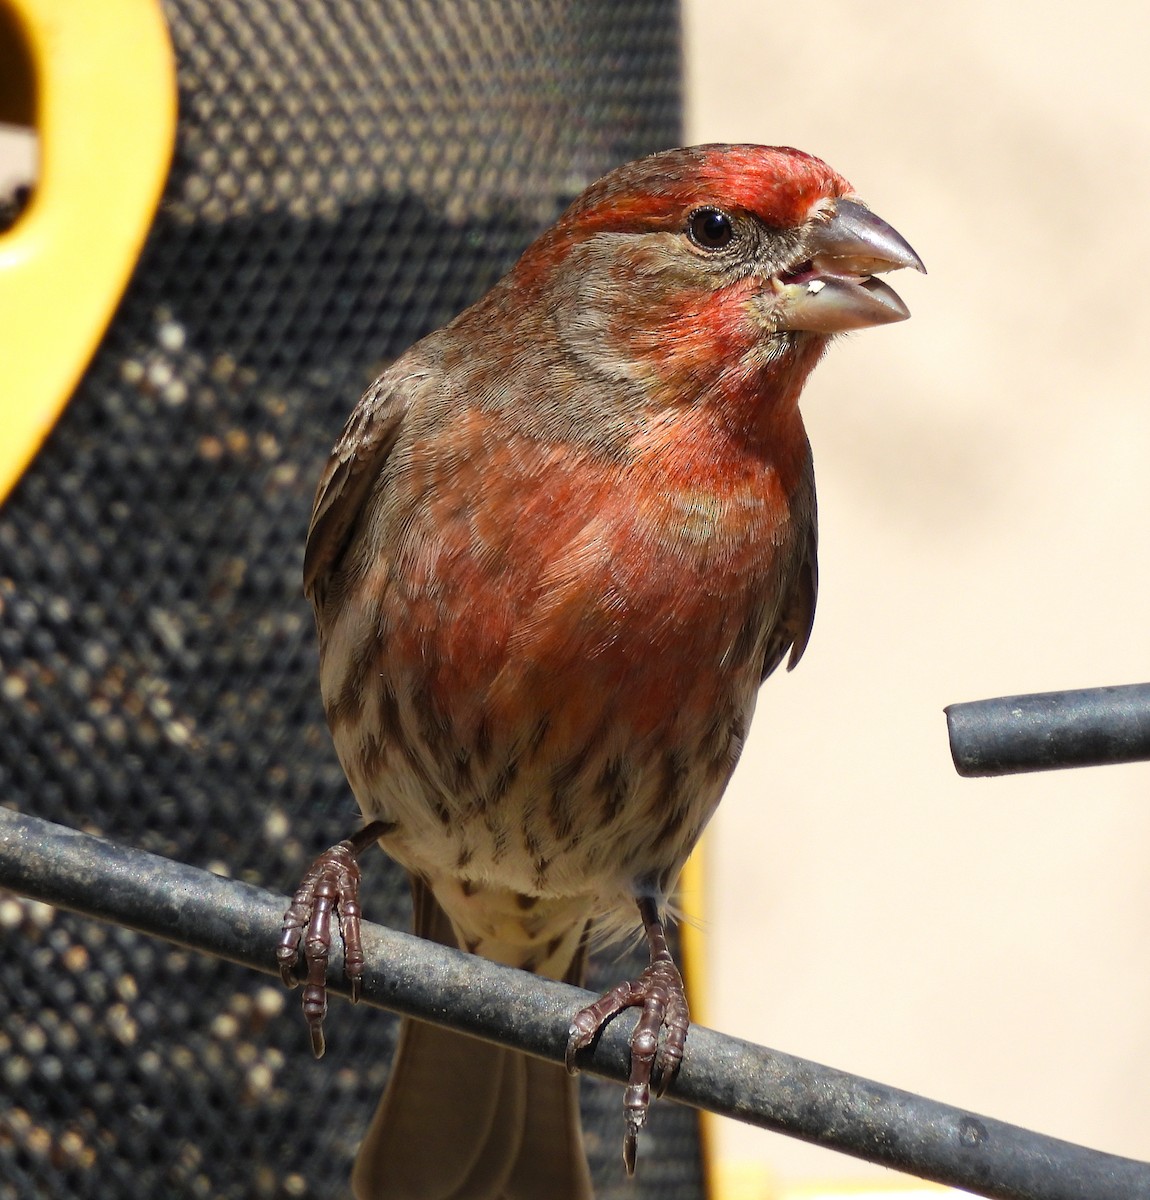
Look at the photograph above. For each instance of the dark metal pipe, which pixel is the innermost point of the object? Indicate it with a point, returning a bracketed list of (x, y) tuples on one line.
[(1050, 730), (843, 1112)]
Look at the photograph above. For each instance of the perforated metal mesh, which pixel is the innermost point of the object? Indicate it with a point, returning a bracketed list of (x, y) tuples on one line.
[(348, 176)]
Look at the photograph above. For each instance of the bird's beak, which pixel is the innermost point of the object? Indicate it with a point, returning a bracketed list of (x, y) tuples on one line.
[(835, 288)]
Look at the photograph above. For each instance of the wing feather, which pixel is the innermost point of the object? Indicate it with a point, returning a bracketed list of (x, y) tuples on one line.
[(355, 464), (796, 617)]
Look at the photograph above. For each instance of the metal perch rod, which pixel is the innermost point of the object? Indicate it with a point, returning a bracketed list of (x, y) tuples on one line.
[(737, 1079), (1049, 730)]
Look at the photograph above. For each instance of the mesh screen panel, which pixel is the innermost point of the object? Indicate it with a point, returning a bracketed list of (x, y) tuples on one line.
[(348, 176)]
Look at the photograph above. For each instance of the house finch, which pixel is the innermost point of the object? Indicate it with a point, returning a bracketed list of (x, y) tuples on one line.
[(556, 550)]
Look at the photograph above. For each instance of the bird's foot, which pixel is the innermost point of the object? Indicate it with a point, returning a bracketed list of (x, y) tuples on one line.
[(659, 992), (330, 888)]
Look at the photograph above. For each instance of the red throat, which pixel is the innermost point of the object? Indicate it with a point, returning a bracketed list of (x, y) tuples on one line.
[(708, 352)]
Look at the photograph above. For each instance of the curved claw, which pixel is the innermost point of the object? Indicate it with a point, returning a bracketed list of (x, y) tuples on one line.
[(318, 1041), (676, 1022), (575, 1043), (663, 1078), (287, 960), (630, 1149)]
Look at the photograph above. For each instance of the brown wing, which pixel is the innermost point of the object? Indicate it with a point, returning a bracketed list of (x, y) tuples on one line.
[(355, 463), (792, 630)]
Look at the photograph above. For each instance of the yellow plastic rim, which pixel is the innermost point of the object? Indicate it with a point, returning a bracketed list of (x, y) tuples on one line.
[(692, 903), (105, 113)]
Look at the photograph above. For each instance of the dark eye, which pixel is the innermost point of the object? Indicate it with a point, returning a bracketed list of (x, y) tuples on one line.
[(710, 228)]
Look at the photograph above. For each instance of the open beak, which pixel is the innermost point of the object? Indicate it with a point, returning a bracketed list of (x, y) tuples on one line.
[(835, 288)]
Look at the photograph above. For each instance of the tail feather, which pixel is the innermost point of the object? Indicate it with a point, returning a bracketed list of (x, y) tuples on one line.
[(551, 1162), (465, 1120)]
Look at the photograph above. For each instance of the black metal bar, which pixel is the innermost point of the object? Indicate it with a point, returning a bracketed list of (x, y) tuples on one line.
[(1046, 731), (239, 922)]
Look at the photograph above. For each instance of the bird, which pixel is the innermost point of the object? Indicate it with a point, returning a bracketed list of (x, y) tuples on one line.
[(556, 550)]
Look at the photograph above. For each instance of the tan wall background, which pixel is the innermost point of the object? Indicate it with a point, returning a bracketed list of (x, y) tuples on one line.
[(984, 486)]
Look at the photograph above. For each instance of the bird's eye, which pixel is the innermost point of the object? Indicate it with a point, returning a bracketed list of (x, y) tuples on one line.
[(710, 228)]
